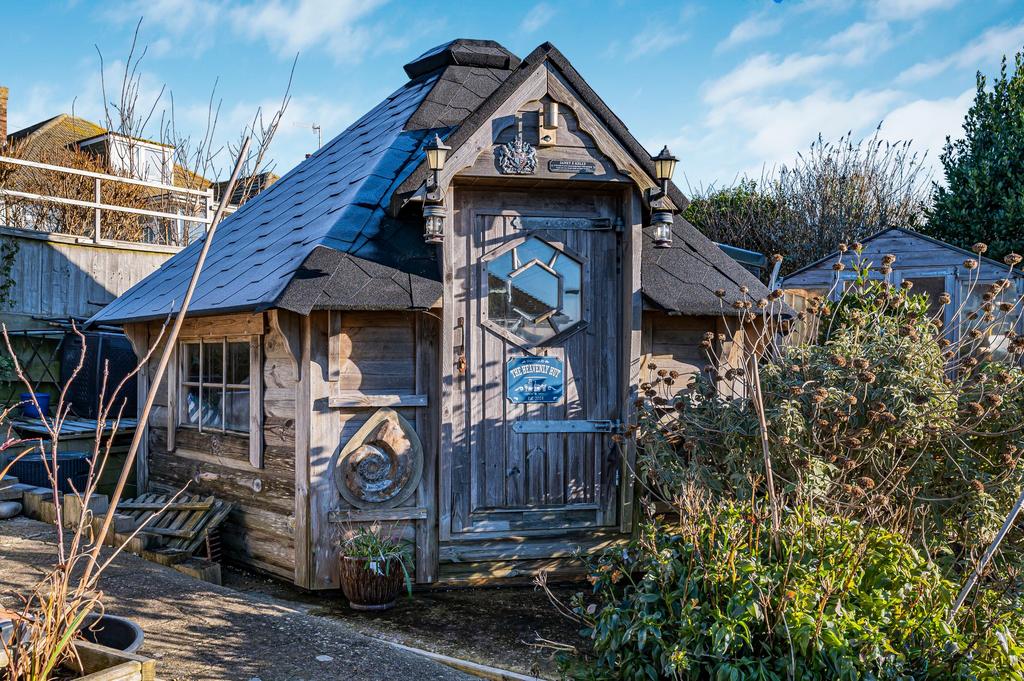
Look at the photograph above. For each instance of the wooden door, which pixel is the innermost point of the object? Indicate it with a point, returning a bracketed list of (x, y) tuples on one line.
[(537, 279)]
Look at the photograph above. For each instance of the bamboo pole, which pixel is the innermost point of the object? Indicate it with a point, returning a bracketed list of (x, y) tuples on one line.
[(986, 557), (161, 368)]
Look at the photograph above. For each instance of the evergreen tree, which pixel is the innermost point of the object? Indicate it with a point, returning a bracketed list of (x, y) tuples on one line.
[(983, 199)]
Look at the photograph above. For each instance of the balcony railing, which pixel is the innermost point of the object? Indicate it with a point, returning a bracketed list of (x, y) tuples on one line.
[(199, 202)]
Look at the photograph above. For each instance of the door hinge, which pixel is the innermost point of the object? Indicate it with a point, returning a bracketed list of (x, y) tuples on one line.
[(574, 426)]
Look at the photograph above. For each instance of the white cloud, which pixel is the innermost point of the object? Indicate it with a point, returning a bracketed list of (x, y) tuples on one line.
[(765, 71), (537, 18), (287, 26), (776, 130), (745, 136), (861, 40), (290, 27), (654, 39), (927, 122), (984, 50), (196, 19), (752, 28), (901, 10)]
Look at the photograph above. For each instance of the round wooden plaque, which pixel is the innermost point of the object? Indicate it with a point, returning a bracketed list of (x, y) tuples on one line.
[(382, 464)]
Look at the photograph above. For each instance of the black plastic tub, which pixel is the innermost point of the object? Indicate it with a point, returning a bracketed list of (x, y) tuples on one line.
[(72, 470), (112, 631)]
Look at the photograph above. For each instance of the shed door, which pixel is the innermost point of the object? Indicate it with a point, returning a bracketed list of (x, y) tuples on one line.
[(536, 399)]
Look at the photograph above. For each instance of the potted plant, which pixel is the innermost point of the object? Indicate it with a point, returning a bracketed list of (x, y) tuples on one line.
[(374, 566)]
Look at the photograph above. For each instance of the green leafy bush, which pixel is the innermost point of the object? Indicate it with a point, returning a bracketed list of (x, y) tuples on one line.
[(894, 443), (713, 597)]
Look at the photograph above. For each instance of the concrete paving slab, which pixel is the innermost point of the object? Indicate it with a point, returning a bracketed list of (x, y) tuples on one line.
[(199, 631)]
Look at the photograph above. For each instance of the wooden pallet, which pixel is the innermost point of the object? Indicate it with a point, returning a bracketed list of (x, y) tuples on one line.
[(182, 528)]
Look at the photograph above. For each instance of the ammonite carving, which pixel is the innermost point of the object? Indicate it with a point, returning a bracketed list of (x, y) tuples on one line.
[(382, 464)]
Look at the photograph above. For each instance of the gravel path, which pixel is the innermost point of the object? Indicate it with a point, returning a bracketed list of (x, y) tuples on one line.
[(198, 630)]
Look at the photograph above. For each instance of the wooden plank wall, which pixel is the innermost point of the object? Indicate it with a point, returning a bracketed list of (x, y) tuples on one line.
[(673, 343), (361, 356), (260, 530), (57, 275)]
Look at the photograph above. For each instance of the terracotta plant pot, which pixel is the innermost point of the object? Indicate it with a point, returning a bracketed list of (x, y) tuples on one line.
[(365, 589)]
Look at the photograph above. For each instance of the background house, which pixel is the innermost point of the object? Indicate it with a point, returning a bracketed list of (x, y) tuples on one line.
[(934, 267)]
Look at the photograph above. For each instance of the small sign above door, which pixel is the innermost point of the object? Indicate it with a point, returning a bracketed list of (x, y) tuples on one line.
[(566, 165), (535, 380)]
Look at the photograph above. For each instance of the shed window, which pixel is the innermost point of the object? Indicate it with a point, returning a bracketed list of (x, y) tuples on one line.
[(996, 334), (215, 393)]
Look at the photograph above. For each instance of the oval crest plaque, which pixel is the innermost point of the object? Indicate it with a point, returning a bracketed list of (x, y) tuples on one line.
[(381, 466)]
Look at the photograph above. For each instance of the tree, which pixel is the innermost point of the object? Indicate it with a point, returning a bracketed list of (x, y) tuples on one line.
[(835, 192), (983, 200)]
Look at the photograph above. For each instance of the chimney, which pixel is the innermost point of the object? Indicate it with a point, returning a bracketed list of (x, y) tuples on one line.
[(3, 117)]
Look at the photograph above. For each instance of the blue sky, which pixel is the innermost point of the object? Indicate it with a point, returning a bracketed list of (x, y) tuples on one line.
[(729, 85)]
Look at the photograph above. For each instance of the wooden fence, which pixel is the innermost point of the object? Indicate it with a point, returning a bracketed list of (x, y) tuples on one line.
[(57, 277)]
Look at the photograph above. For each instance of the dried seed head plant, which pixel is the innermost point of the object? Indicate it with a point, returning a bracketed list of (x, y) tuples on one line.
[(45, 624), (875, 403)]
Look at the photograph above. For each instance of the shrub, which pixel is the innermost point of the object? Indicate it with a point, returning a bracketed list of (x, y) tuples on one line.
[(833, 190), (712, 597), (883, 419), (980, 198)]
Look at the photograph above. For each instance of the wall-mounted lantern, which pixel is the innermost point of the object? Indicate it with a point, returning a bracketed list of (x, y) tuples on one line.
[(664, 168), (661, 222), (433, 205), (433, 223), (437, 154), (661, 215)]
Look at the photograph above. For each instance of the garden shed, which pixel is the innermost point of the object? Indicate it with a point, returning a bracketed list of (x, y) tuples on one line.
[(439, 320), (933, 267)]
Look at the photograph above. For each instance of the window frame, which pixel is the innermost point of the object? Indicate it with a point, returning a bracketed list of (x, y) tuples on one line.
[(562, 249), (252, 342)]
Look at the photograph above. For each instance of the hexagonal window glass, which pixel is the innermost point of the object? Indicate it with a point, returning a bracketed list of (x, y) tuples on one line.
[(534, 291)]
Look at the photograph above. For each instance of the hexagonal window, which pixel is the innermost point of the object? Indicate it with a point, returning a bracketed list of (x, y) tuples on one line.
[(533, 291)]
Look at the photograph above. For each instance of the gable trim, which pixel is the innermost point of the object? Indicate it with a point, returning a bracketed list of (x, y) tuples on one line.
[(573, 82)]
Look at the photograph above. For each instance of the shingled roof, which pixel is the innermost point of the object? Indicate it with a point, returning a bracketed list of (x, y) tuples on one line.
[(685, 278), (321, 236)]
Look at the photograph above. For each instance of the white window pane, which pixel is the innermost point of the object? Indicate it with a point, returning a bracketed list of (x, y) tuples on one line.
[(237, 410), (190, 406), (190, 358), (213, 362), (212, 404)]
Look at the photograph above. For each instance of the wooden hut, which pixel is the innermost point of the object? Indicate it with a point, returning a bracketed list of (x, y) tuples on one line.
[(933, 267), (336, 368)]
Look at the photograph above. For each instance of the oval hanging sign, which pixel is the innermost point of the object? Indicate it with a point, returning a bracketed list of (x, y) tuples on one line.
[(535, 380)]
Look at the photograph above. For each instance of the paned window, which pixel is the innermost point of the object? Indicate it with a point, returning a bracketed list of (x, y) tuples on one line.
[(215, 386)]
